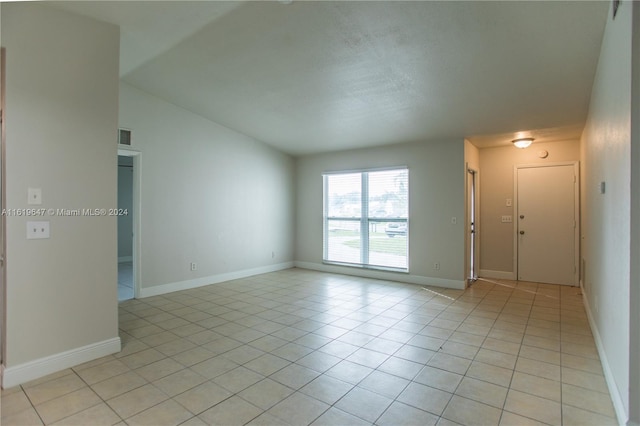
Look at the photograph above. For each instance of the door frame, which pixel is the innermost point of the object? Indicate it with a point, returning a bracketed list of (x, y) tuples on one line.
[(472, 274), (576, 213), (126, 151), (3, 221)]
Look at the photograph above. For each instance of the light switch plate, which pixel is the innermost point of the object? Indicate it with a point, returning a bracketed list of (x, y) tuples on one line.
[(507, 219), (34, 196), (38, 230)]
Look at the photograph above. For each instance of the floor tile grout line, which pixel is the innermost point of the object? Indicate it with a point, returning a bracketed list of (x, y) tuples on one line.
[(515, 366), (467, 370), (33, 407), (502, 410), (86, 385)]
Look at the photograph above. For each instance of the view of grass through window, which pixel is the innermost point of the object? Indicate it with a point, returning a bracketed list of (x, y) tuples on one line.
[(366, 218)]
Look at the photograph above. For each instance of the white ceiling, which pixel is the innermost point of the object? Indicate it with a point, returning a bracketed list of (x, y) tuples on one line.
[(309, 77)]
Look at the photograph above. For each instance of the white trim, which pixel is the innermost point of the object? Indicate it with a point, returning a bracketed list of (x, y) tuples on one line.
[(125, 259), (476, 226), (365, 170), (22, 373), (498, 275), (383, 275), (136, 258), (616, 398), (212, 279), (127, 150)]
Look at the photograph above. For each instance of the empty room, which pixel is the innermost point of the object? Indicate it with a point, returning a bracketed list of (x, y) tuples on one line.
[(320, 212)]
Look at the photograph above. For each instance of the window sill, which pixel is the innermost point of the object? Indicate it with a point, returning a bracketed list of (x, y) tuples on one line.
[(367, 267)]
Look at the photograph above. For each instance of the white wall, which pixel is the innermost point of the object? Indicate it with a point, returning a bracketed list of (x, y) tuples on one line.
[(634, 300), (605, 152), (61, 123), (436, 194), (471, 155), (209, 195)]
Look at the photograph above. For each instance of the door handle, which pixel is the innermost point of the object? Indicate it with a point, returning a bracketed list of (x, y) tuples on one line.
[(521, 232)]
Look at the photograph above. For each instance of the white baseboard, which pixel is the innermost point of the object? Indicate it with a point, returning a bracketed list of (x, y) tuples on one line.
[(383, 275), (497, 275), (616, 398), (22, 373), (125, 259), (213, 279)]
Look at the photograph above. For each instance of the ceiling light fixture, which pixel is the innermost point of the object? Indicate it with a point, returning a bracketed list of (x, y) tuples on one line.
[(522, 142)]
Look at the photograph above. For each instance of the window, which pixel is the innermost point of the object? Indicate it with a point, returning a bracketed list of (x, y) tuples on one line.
[(366, 218)]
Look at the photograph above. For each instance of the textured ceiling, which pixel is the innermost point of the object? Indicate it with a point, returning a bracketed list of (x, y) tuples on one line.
[(309, 77)]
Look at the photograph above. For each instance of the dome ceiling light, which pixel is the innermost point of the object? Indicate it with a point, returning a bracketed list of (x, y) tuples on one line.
[(522, 142)]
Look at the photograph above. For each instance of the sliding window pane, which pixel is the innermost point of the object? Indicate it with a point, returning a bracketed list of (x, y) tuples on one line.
[(388, 199)]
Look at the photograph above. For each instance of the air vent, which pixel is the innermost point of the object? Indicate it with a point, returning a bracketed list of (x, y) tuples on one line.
[(124, 137)]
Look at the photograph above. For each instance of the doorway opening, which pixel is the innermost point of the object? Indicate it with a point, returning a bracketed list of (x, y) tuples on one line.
[(125, 228), (128, 224)]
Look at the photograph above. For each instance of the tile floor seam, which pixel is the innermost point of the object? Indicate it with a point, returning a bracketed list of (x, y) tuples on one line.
[(514, 367), (562, 414), (465, 375), (33, 407)]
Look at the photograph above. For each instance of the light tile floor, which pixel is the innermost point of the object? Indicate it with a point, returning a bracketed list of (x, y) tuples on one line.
[(299, 347)]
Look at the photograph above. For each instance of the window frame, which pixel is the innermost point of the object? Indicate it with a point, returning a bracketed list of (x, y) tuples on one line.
[(364, 219)]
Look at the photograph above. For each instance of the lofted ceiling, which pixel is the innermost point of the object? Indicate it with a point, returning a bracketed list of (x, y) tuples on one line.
[(308, 77)]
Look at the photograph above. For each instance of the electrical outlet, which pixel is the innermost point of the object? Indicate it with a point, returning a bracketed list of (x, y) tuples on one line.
[(37, 230), (273, 254), (436, 266), (454, 220), (194, 266)]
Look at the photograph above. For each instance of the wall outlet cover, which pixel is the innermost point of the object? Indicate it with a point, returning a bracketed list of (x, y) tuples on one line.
[(38, 230), (34, 196)]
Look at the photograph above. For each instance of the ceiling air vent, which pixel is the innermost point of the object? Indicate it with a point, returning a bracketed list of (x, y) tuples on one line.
[(124, 137)]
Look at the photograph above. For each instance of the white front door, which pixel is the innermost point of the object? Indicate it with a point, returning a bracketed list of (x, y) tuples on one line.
[(547, 224)]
